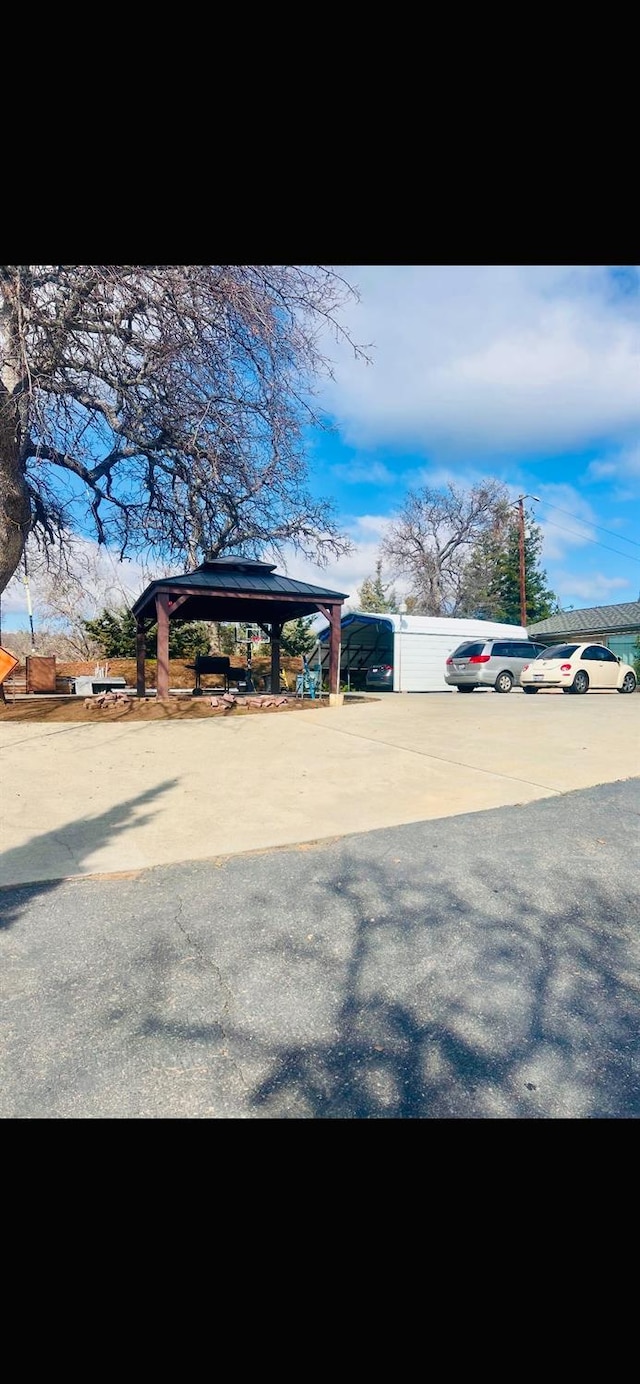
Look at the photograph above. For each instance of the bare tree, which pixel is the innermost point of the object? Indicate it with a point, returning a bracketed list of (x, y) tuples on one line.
[(73, 583), (437, 542), (166, 404)]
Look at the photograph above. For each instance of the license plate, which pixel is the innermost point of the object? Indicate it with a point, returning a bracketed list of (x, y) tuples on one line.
[(538, 677), (459, 667)]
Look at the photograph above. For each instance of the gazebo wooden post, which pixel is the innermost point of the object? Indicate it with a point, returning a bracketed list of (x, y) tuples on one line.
[(162, 614), (334, 649), (276, 631), (140, 657)]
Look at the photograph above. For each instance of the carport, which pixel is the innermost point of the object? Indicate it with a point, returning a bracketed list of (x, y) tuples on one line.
[(233, 589), (365, 639)]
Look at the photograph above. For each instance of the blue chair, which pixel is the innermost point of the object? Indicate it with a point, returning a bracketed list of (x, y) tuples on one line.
[(308, 682)]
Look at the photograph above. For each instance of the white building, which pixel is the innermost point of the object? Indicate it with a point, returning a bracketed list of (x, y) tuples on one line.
[(416, 646)]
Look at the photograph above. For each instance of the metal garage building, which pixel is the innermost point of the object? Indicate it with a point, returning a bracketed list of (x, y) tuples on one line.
[(417, 647)]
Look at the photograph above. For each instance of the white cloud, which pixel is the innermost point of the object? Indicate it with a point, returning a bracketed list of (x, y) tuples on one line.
[(365, 473), (601, 470), (347, 574), (625, 466), (14, 597), (489, 358), (594, 589)]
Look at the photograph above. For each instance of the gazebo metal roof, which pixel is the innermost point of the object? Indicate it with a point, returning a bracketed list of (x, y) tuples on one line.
[(236, 588)]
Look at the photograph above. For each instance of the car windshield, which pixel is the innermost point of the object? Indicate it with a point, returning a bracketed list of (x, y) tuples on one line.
[(558, 651)]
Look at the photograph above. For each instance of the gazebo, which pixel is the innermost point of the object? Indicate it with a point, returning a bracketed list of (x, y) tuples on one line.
[(235, 589)]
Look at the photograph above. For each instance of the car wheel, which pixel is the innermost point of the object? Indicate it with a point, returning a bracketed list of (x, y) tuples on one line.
[(530, 691), (629, 683), (466, 689), (503, 682), (580, 683)]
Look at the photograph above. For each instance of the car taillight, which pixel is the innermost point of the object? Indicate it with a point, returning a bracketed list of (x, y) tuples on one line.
[(524, 667), (565, 667), (449, 662), (480, 658)]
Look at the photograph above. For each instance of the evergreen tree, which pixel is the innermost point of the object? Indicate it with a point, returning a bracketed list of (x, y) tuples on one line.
[(505, 589), (477, 595), (229, 637), (298, 637), (115, 632), (372, 595)]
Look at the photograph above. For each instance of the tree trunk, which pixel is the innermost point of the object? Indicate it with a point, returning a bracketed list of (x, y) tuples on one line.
[(15, 507), (15, 503)]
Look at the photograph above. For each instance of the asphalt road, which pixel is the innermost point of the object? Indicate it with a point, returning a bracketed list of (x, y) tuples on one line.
[(477, 966)]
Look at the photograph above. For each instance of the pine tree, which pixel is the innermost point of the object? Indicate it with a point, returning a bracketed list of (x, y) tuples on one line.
[(372, 595), (115, 632), (505, 589), (298, 637), (478, 596)]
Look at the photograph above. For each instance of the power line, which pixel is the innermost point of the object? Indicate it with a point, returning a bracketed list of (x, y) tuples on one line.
[(622, 536), (628, 557)]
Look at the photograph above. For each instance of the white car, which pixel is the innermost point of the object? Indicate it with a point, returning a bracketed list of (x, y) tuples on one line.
[(576, 668)]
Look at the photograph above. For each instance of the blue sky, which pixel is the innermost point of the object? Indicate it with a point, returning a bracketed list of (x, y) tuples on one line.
[(526, 373)]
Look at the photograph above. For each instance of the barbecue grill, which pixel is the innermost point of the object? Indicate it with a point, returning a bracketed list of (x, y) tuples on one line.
[(221, 665)]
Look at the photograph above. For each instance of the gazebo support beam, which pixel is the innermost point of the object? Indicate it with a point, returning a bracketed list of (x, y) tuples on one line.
[(162, 615), (334, 649), (276, 631), (141, 685), (332, 613)]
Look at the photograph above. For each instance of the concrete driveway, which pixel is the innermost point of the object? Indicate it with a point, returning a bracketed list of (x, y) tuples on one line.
[(99, 798), (481, 964)]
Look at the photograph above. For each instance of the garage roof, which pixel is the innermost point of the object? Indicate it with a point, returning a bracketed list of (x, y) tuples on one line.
[(603, 619)]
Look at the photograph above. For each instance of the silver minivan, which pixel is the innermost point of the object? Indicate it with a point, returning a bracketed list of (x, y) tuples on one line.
[(493, 663)]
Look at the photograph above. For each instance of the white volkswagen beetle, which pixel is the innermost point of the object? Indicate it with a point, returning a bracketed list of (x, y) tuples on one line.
[(577, 668)]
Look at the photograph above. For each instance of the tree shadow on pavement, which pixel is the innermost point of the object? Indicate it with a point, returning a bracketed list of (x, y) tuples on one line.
[(77, 839), (410, 996), (468, 1011), (479, 968)]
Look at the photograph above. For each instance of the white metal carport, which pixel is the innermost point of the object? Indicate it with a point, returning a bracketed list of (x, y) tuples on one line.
[(417, 647)]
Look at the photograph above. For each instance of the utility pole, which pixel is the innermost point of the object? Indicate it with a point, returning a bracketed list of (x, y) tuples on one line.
[(523, 577), (523, 573)]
